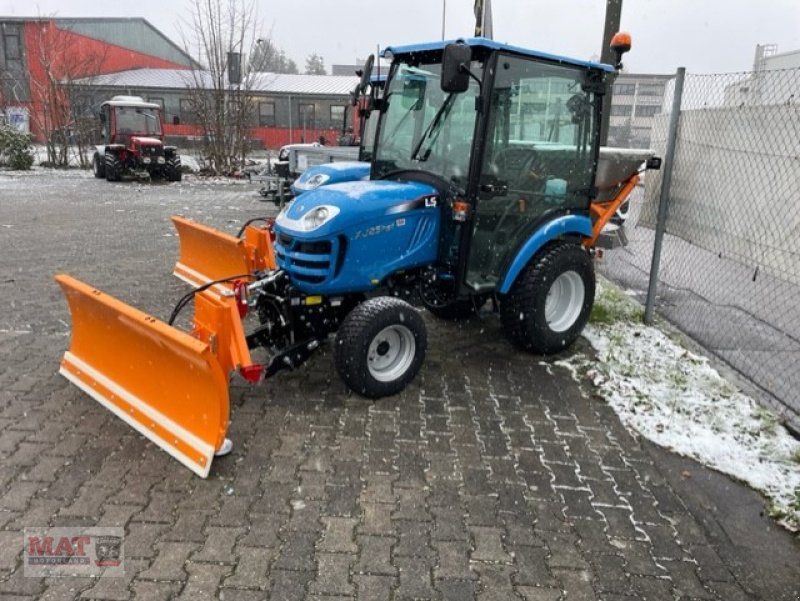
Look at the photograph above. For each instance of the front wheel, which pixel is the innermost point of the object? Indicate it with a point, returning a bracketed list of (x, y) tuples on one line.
[(172, 169), (380, 347), (113, 167), (549, 304), (98, 168)]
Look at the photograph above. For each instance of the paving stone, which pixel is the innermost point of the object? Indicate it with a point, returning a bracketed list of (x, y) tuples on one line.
[(219, 545), (456, 590), (375, 555), (376, 519), (495, 582), (169, 563), (140, 539), (564, 552), (686, 582), (115, 589), (453, 560), (534, 593), (203, 581), (333, 574), (252, 567), (488, 545), (189, 527), (338, 535), (531, 565), (374, 588), (263, 531), (413, 539), (297, 552), (576, 584), (448, 524), (414, 579), (289, 586)]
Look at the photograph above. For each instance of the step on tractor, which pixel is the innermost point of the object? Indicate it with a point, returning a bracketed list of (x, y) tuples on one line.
[(487, 187), (133, 142)]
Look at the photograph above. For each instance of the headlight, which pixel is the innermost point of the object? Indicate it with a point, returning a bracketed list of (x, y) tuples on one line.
[(315, 181), (313, 219), (318, 217)]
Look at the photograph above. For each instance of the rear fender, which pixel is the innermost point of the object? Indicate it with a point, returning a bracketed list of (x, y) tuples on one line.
[(580, 225)]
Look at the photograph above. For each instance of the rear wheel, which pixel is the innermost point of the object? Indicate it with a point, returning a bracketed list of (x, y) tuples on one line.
[(98, 167), (380, 347), (113, 167), (550, 302)]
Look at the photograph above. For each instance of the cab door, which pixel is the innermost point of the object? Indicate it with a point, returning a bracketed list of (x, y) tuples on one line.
[(537, 161)]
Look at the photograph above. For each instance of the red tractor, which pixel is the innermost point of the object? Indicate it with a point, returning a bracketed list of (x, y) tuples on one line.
[(133, 142)]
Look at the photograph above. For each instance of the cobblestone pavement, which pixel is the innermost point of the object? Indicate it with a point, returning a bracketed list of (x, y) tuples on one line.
[(493, 476)]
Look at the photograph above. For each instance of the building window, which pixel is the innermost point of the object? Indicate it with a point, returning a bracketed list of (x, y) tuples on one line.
[(187, 111), (624, 89), (156, 100), (266, 114), (337, 115), (647, 110), (12, 47), (306, 112), (650, 90), (621, 110)]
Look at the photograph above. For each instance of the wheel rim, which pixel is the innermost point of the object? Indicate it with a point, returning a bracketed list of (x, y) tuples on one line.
[(564, 301), (391, 353)]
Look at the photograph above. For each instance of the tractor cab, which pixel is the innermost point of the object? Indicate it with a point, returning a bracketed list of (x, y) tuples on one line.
[(508, 137)]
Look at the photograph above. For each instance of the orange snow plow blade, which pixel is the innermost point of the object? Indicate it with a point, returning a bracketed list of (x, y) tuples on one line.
[(170, 386), (208, 255)]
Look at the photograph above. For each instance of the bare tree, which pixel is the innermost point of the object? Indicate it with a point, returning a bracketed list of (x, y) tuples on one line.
[(60, 120), (220, 32)]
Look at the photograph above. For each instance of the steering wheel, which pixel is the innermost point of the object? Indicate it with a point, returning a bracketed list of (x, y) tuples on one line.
[(522, 168), (533, 174)]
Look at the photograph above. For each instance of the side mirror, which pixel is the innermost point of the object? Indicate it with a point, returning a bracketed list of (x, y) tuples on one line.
[(455, 68), (354, 95), (366, 73), (620, 44)]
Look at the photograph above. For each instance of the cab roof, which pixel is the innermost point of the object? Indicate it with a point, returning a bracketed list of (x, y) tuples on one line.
[(131, 101), (493, 45)]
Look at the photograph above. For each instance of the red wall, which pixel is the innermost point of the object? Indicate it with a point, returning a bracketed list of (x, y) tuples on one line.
[(71, 56), (270, 137)]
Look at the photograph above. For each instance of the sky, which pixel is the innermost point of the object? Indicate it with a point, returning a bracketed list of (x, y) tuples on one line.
[(705, 36)]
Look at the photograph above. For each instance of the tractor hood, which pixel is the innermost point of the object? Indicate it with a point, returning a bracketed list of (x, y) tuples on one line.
[(339, 207), (145, 141), (330, 173)]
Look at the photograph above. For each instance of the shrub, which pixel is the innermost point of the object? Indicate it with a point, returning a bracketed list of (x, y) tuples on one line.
[(15, 148)]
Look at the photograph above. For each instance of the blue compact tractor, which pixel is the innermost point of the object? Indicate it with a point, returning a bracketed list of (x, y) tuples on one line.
[(487, 184)]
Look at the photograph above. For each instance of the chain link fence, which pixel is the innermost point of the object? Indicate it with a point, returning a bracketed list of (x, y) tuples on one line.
[(730, 259)]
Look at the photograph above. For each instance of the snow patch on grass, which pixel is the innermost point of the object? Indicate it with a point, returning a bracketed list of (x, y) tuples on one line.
[(676, 399)]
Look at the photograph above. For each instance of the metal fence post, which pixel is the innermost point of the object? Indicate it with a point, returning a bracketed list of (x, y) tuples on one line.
[(663, 201)]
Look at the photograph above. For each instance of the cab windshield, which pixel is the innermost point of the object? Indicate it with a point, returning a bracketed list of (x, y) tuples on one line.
[(424, 128), (137, 120)]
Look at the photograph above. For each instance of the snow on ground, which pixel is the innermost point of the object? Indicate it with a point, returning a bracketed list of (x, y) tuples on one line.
[(676, 399)]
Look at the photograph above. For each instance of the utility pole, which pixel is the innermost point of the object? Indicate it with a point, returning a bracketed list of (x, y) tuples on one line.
[(613, 17)]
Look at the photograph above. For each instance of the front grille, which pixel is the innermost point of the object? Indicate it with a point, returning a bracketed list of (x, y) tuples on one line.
[(308, 262), (150, 151)]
